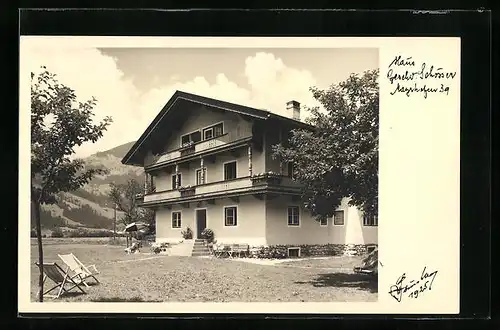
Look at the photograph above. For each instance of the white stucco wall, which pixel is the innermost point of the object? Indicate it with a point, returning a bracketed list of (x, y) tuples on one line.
[(250, 227), (356, 232), (310, 231)]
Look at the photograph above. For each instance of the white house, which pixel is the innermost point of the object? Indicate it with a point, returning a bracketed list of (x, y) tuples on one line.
[(209, 162)]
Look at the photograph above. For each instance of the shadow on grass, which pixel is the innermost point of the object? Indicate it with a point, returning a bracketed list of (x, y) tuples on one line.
[(343, 280), (118, 299)]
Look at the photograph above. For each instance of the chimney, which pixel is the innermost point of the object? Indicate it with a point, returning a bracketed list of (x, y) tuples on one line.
[(294, 107)]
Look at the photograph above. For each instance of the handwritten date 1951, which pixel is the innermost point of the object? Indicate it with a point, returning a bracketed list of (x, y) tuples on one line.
[(413, 288)]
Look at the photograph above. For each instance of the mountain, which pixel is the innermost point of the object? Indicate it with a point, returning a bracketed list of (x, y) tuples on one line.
[(89, 206)]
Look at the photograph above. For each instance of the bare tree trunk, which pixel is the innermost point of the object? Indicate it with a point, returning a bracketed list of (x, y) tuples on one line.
[(40, 248)]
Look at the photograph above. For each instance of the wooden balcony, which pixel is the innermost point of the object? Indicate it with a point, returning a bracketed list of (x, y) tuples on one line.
[(215, 144), (222, 189)]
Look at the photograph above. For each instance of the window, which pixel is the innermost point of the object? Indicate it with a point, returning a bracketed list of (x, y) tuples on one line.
[(230, 171), (293, 216), (290, 169), (185, 140), (338, 218), (191, 138), (218, 129), (213, 131), (370, 220), (179, 183), (230, 216), (323, 222), (176, 219), (208, 133), (294, 252), (199, 178)]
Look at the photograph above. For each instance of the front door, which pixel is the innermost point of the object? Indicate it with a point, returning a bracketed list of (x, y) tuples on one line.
[(201, 222)]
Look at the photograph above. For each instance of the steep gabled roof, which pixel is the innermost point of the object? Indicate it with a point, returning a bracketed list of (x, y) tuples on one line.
[(226, 106)]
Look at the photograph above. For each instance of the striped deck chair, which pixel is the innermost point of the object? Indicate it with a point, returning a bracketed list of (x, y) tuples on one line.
[(82, 272), (57, 275)]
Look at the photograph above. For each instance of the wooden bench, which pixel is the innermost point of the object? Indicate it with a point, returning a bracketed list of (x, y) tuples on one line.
[(230, 250), (238, 250)]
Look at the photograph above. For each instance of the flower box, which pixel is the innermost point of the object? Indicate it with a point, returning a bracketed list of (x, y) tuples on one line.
[(187, 191), (187, 149), (266, 178)]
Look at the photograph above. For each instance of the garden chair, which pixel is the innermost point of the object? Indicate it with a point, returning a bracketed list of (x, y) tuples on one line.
[(59, 277), (239, 250), (210, 248), (82, 272), (222, 250), (233, 251), (218, 249), (243, 249)]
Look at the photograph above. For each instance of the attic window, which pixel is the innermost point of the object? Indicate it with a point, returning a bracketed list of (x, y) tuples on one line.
[(191, 138), (208, 133), (218, 130), (213, 131)]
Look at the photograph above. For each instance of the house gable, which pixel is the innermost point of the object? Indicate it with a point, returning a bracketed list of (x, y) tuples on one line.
[(165, 127)]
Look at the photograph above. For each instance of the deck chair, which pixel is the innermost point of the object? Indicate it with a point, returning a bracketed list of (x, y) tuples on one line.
[(82, 272), (59, 277)]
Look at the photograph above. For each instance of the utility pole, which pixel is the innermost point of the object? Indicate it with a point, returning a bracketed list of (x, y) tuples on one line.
[(114, 224)]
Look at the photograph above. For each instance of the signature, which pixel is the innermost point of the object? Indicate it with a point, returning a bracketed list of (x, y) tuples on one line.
[(413, 288)]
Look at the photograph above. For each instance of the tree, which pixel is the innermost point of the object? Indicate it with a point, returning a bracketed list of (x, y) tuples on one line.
[(124, 197), (339, 157), (59, 123)]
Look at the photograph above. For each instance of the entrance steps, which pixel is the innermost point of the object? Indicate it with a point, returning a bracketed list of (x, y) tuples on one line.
[(199, 249)]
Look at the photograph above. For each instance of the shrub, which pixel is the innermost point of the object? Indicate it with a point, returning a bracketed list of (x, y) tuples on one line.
[(187, 234), (208, 234), (116, 241), (56, 233), (80, 232), (272, 252)]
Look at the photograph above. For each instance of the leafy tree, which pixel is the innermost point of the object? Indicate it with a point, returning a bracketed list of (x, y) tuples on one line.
[(124, 196), (59, 123), (339, 157)]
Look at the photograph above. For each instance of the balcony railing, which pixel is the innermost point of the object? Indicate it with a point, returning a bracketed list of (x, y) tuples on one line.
[(223, 187), (164, 195), (215, 143), (215, 188)]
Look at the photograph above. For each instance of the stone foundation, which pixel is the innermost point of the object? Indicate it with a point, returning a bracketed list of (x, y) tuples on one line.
[(310, 250)]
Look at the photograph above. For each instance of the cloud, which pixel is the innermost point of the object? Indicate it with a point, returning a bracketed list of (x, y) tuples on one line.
[(91, 73)]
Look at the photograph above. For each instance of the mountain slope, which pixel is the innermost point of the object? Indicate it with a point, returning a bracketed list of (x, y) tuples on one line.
[(89, 206)]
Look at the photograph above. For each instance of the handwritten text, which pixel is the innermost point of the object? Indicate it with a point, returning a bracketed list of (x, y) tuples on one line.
[(410, 78), (412, 288)]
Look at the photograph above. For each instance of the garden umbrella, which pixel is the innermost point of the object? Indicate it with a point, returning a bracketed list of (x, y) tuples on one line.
[(135, 226)]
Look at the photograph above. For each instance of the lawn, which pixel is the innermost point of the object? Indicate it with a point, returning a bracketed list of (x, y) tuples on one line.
[(152, 278)]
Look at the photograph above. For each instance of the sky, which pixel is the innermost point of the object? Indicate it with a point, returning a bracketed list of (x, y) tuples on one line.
[(133, 84)]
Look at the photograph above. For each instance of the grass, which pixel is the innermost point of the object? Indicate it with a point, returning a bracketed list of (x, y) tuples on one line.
[(145, 277)]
